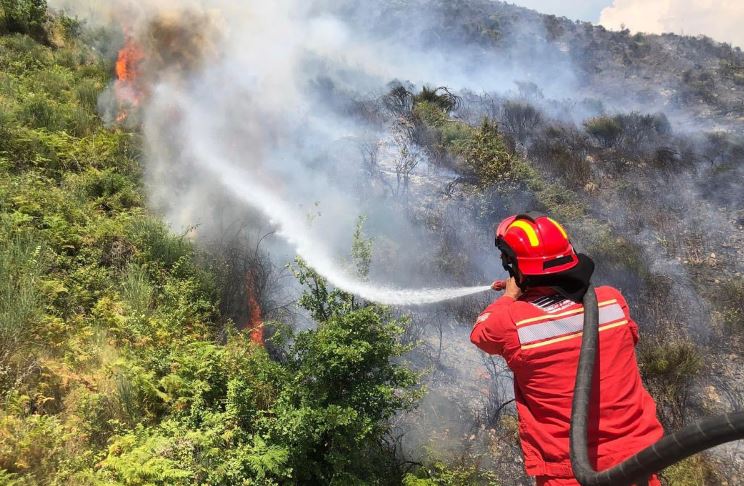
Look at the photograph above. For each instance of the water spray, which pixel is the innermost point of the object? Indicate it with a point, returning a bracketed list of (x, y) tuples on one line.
[(296, 231)]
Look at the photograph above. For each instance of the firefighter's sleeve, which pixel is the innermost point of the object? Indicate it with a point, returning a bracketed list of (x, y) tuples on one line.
[(489, 332), (631, 323)]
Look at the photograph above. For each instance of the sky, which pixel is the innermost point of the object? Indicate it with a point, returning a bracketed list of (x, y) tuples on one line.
[(719, 19)]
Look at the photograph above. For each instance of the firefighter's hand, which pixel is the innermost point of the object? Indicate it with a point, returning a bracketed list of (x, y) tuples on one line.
[(512, 289), (499, 285)]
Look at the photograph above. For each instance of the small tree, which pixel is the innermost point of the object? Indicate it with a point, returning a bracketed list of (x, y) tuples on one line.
[(361, 249), (322, 302), (347, 383)]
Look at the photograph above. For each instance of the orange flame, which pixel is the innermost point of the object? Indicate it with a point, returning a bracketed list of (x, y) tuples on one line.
[(255, 320), (128, 90)]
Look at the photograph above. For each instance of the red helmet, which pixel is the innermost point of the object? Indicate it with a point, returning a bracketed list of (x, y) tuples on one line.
[(535, 244)]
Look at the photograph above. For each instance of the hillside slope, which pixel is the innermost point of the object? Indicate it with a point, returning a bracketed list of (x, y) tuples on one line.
[(116, 366)]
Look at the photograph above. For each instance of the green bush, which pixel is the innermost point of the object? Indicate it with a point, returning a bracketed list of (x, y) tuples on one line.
[(485, 154), (606, 130), (441, 474), (436, 133), (440, 97), (41, 112), (450, 131), (25, 17), (137, 291), (730, 300), (669, 365), (158, 244), (697, 470), (235, 415), (31, 447)]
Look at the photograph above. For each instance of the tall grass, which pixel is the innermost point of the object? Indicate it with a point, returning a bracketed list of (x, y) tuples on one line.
[(137, 291), (21, 304), (87, 92)]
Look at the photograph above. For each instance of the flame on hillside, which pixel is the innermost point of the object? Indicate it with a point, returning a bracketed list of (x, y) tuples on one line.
[(172, 45), (129, 93), (255, 320)]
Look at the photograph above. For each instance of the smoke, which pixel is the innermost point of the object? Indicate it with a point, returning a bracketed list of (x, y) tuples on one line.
[(720, 20), (299, 234), (259, 104)]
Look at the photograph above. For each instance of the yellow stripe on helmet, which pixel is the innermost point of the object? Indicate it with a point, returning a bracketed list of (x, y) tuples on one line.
[(560, 228), (524, 226)]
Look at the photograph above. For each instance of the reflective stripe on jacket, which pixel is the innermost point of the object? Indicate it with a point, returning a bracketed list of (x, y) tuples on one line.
[(539, 336)]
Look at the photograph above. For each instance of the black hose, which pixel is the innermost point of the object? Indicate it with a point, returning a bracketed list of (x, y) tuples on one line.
[(668, 450)]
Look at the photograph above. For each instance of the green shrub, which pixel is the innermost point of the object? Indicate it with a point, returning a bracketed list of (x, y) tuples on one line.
[(697, 470), (80, 122), (669, 365), (674, 361), (234, 415), (440, 97), (730, 298), (41, 112), (485, 154), (144, 457), (10, 479), (157, 243), (441, 474), (450, 132), (31, 446), (606, 130), (557, 200), (436, 133), (22, 55), (25, 17), (616, 253), (53, 81), (345, 387), (108, 189)]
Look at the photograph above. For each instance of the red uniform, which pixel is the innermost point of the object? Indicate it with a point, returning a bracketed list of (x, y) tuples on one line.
[(539, 336)]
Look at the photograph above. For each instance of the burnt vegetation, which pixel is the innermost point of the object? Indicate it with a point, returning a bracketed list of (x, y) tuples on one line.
[(640, 192)]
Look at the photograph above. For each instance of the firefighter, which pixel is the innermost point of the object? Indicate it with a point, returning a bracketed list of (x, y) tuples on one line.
[(536, 326)]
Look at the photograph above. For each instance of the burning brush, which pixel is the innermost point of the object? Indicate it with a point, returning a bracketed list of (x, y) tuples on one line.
[(128, 88), (173, 44), (255, 320)]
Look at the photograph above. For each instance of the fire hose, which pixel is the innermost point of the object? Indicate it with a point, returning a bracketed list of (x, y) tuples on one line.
[(670, 449)]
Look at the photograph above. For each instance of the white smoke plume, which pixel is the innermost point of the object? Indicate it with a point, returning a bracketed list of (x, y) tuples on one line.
[(268, 119)]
